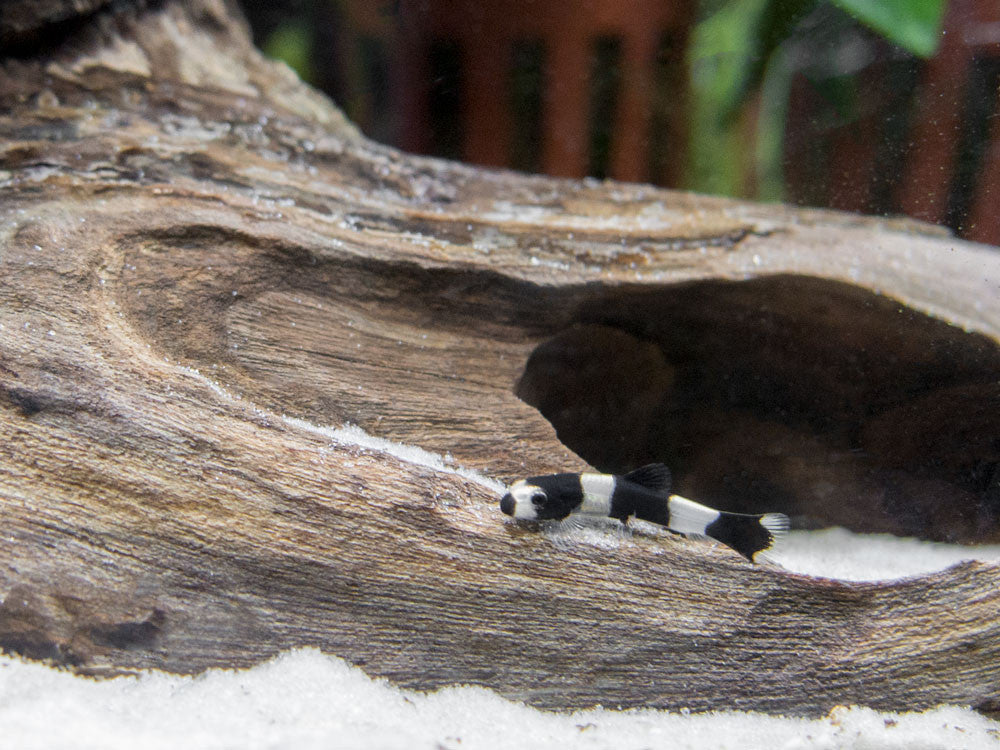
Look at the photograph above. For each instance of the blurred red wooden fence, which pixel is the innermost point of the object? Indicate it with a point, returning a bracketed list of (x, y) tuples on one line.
[(599, 87)]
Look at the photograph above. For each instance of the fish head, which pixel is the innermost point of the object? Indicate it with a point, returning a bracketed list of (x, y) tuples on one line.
[(544, 498), (523, 500)]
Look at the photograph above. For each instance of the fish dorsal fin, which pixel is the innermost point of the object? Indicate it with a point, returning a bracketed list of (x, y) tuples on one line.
[(655, 477)]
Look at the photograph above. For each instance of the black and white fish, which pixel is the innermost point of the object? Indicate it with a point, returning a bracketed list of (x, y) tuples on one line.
[(644, 494)]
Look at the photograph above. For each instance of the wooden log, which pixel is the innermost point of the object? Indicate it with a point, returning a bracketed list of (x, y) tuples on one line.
[(206, 273)]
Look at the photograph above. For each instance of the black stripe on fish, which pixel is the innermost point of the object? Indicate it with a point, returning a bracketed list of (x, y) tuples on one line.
[(643, 494)]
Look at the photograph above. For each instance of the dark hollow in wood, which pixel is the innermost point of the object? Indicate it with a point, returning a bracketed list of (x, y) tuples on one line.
[(816, 398)]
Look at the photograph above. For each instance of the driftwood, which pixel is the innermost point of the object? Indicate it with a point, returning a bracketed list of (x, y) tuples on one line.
[(206, 271)]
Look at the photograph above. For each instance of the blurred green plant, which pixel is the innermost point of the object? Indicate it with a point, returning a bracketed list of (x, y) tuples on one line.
[(742, 59), (292, 43)]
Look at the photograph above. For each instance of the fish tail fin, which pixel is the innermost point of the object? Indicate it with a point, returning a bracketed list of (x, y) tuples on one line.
[(777, 526), (753, 536)]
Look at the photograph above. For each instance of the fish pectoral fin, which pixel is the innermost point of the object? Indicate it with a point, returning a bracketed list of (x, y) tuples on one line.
[(697, 537)]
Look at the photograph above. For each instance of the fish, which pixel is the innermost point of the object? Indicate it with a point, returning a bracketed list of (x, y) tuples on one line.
[(644, 494)]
